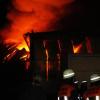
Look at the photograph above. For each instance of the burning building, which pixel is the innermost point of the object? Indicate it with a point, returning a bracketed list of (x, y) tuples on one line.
[(57, 28), (49, 52)]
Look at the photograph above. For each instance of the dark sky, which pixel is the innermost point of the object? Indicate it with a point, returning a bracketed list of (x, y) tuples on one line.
[(3, 11), (87, 19)]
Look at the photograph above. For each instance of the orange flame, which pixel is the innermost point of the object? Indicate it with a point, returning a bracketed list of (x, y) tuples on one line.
[(47, 63), (37, 15), (19, 45), (24, 45), (26, 58), (76, 49)]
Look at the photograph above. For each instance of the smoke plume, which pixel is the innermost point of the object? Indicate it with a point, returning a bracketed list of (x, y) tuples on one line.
[(37, 15)]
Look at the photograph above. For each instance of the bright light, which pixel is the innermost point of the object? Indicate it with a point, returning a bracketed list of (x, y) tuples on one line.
[(69, 75), (24, 56), (65, 98), (84, 81), (78, 98), (21, 46), (95, 78), (58, 98), (87, 98), (76, 82), (97, 97)]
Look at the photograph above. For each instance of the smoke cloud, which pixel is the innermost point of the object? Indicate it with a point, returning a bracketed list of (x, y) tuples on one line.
[(37, 15)]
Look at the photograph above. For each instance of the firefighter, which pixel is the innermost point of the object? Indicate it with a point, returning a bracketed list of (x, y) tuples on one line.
[(93, 93), (67, 89)]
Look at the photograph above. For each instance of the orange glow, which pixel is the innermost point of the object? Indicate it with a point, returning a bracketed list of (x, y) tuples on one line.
[(24, 56), (27, 65), (37, 15), (88, 45), (47, 63), (21, 46), (26, 59), (76, 49), (65, 90), (10, 55), (27, 39), (94, 91), (47, 54)]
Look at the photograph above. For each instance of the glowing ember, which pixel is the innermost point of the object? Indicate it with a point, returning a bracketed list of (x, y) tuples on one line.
[(47, 57), (76, 49), (10, 55), (13, 48), (47, 63), (24, 56), (26, 59)]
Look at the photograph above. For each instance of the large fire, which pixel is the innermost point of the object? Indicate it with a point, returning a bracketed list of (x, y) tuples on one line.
[(24, 45), (37, 15)]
